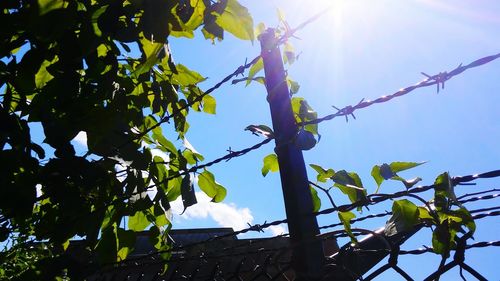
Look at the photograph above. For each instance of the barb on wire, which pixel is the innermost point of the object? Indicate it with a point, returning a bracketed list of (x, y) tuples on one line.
[(290, 32), (227, 157), (437, 79), (230, 155), (256, 228)]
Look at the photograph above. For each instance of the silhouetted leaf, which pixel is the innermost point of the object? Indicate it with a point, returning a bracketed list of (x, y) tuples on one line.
[(187, 192), (126, 243), (304, 140), (107, 248)]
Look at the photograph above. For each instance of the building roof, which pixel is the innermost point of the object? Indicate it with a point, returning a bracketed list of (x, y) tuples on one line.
[(204, 255)]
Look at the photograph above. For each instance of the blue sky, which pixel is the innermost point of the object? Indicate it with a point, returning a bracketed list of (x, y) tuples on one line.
[(361, 49)]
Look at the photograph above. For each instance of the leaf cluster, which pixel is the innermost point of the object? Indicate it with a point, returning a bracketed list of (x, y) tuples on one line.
[(104, 68), (448, 219)]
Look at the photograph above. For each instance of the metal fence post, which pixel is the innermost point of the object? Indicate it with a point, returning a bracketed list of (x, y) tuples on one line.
[(307, 255)]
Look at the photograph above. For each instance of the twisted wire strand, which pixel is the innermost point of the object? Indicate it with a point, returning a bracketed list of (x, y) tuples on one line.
[(438, 79)]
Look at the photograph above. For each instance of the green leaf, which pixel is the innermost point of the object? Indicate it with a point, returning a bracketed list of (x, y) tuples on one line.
[(109, 217), (65, 245), (351, 185), (46, 6), (254, 69), (463, 217), (316, 200), (444, 189), (164, 144), (194, 21), (303, 113), (259, 29), (389, 171), (293, 85), (376, 176), (306, 113), (138, 222), (343, 178), (236, 20), (442, 239), (209, 104), (397, 167), (443, 182), (345, 218), (270, 164), (404, 216), (43, 76), (288, 53), (207, 183), (174, 189), (424, 214), (323, 175), (160, 217), (150, 51), (186, 76)]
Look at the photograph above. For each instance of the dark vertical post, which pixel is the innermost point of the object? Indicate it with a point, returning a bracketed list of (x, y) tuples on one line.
[(307, 256)]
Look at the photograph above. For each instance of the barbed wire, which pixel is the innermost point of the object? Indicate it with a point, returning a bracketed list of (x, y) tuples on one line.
[(239, 71), (228, 252), (428, 249), (230, 155), (340, 233), (371, 199), (477, 193), (483, 214), (379, 197), (438, 79), (227, 157)]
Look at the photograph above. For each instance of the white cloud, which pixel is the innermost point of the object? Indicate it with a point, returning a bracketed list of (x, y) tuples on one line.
[(225, 214), (277, 229)]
